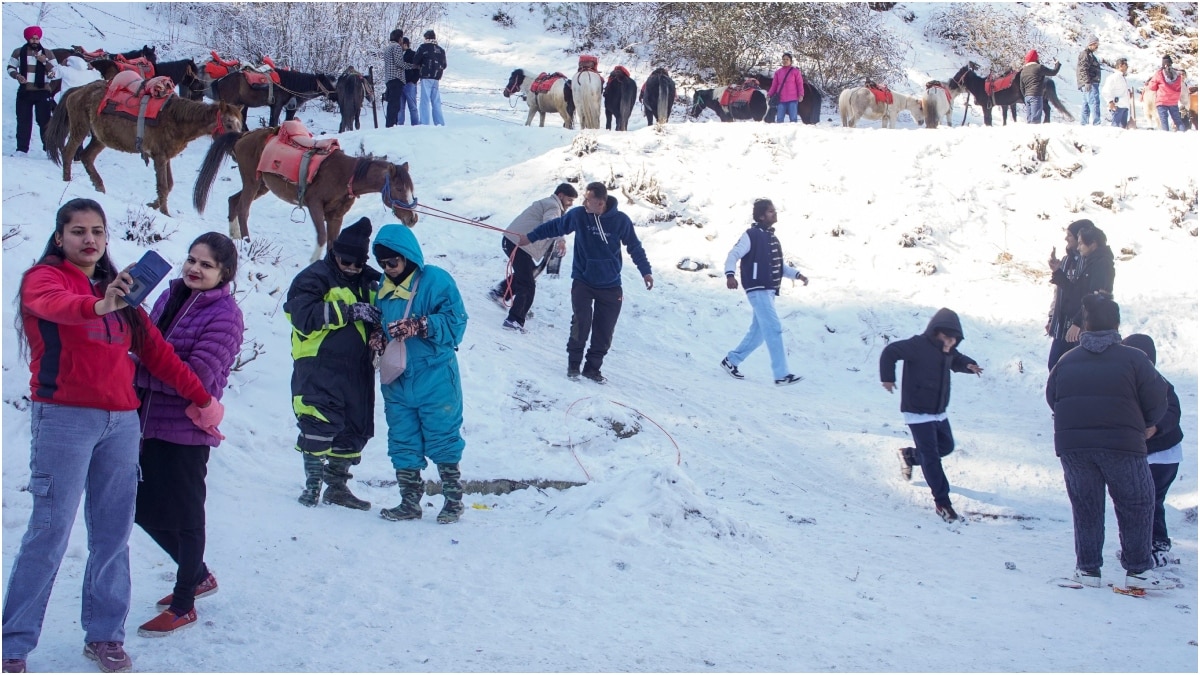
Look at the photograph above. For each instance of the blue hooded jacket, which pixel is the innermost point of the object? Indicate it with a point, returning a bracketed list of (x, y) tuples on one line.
[(598, 242)]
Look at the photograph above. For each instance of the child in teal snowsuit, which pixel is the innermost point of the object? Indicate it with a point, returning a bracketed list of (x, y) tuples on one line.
[(424, 405)]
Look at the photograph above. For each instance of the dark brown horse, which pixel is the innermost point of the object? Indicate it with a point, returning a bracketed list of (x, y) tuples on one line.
[(62, 54), (967, 80), (339, 181), (179, 122), (234, 88)]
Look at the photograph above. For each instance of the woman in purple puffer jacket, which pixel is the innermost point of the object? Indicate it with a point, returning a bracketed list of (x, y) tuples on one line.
[(201, 320)]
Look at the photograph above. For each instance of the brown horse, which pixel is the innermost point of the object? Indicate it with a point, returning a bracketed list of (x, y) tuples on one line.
[(234, 88), (340, 180), (179, 122)]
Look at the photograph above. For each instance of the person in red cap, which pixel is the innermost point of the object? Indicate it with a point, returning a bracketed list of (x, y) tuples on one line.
[(32, 65), (1033, 83)]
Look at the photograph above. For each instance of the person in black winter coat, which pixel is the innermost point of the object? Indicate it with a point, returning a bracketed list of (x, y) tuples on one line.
[(1067, 293), (1106, 397), (928, 359), (431, 60), (1087, 74), (33, 67), (1164, 452), (1097, 275), (1033, 85), (330, 307)]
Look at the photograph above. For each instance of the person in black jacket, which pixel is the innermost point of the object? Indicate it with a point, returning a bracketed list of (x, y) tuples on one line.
[(32, 65), (1033, 85), (329, 305), (1164, 452), (1087, 74), (431, 60), (394, 78), (928, 359), (1097, 275), (1064, 275), (1106, 398), (412, 81)]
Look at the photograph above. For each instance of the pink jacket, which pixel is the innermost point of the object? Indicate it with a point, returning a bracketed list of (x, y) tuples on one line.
[(788, 83), (1167, 93)]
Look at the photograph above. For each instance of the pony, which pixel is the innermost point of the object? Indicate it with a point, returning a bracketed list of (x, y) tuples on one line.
[(620, 93), (967, 80), (657, 96), (339, 182), (809, 109), (185, 74), (352, 87), (293, 85), (179, 122), (859, 103), (1149, 100), (937, 104), (559, 99), (62, 54), (587, 86), (711, 99)]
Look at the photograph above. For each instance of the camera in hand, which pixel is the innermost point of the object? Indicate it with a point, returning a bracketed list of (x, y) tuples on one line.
[(147, 274)]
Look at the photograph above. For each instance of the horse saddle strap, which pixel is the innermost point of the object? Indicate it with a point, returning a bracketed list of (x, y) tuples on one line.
[(141, 127), (305, 160)]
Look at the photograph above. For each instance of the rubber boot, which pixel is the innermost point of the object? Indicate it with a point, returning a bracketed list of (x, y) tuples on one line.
[(313, 468), (412, 488), (337, 472), (452, 491)]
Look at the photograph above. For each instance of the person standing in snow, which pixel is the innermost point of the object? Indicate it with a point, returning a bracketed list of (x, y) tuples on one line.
[(78, 331), (1164, 452), (787, 88), (199, 317), (32, 65), (596, 295), (1117, 94), (1064, 274), (1167, 85), (431, 60), (1106, 399), (1097, 275), (412, 82), (1087, 74), (521, 285), (422, 307), (1033, 84), (762, 269), (929, 359), (329, 305), (394, 78)]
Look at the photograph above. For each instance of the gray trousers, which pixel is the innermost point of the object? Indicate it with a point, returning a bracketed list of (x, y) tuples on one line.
[(1128, 479)]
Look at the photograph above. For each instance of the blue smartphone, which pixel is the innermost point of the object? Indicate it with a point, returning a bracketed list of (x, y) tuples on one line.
[(147, 274)]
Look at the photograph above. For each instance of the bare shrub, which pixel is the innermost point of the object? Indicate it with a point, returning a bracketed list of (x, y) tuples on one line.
[(138, 226), (990, 32)]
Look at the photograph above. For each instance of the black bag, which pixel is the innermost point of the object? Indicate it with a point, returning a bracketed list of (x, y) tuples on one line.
[(773, 102)]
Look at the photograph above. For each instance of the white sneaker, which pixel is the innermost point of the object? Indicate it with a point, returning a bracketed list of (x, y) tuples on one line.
[(1144, 581), (1091, 579), (19, 153)]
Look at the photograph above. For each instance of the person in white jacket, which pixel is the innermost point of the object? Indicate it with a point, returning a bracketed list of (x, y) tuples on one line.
[(1117, 94)]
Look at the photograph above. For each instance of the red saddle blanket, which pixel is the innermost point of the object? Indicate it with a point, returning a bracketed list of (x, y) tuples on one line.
[(739, 93), (90, 56), (882, 93), (259, 80), (125, 93), (282, 154), (588, 62), (999, 83), (544, 82), (141, 65), (219, 67)]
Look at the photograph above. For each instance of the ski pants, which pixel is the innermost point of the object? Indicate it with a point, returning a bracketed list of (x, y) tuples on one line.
[(424, 411), (1127, 476), (934, 441), (595, 314)]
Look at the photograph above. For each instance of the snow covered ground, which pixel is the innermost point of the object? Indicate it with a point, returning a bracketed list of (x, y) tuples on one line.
[(744, 527)]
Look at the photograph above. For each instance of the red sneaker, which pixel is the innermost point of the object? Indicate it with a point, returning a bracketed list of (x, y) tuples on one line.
[(166, 623), (14, 665), (203, 590)]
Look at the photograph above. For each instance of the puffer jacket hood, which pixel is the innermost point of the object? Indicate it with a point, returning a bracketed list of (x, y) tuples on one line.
[(401, 239), (1144, 343), (945, 320)]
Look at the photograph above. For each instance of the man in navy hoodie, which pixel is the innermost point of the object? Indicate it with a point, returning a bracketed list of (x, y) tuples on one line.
[(596, 294)]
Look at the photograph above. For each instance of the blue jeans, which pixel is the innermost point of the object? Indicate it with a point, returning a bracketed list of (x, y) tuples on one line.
[(1121, 118), (1173, 112), (410, 101), (1033, 109), (790, 108), (1091, 103), (934, 441), (765, 327), (431, 103), (75, 450)]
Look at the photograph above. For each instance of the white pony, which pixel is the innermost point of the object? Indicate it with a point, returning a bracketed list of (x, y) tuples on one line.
[(859, 103), (937, 103), (588, 87), (558, 99)]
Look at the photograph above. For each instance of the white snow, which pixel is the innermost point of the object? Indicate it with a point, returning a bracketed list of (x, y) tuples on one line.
[(777, 534)]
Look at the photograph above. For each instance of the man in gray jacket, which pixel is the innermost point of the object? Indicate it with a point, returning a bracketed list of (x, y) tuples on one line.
[(520, 284)]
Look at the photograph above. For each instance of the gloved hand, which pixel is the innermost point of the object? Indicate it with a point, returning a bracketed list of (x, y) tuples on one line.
[(403, 329), (361, 311), (208, 417), (375, 341)]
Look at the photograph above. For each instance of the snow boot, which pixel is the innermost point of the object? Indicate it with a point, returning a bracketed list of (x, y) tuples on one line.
[(337, 472), (452, 491), (313, 468), (412, 488)]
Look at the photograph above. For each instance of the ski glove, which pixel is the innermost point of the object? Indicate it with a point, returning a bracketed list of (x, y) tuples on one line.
[(403, 329), (208, 417), (376, 341), (361, 311)]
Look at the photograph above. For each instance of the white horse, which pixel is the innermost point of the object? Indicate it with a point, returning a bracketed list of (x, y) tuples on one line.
[(859, 103), (558, 99), (588, 87), (937, 103)]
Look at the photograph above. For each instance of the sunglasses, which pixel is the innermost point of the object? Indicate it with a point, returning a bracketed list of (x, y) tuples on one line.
[(391, 262), (348, 262)]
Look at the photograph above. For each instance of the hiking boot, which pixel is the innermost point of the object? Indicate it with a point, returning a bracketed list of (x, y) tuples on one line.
[(1088, 578), (314, 467), (595, 376), (14, 665), (412, 488), (947, 513), (166, 623), (497, 298), (452, 491), (337, 472), (788, 379), (907, 461), (573, 372), (731, 369), (110, 656), (205, 588), (513, 325)]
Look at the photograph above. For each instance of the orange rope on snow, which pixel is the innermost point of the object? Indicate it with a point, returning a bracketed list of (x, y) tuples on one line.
[(571, 445), (455, 218)]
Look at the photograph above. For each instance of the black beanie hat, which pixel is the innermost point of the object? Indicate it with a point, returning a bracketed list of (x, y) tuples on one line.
[(1144, 343), (355, 241), (430, 35), (383, 252)]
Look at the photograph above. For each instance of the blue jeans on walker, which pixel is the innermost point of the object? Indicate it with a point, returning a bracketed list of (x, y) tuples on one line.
[(1172, 111), (934, 440), (1120, 118), (75, 451), (1033, 109), (764, 328), (1091, 103), (790, 108), (410, 101), (431, 103)]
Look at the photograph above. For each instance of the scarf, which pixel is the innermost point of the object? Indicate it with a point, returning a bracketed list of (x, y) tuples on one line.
[(39, 77)]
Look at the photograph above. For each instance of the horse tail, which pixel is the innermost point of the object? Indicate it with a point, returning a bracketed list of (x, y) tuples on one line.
[(569, 98), (664, 100), (222, 146), (60, 127), (1050, 91)]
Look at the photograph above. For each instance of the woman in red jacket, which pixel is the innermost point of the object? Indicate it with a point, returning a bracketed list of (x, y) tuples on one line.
[(79, 331)]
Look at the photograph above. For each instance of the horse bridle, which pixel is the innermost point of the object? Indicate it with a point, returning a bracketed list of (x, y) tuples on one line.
[(509, 91), (395, 203)]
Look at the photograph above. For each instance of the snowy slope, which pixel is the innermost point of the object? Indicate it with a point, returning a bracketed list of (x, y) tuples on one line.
[(759, 529)]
